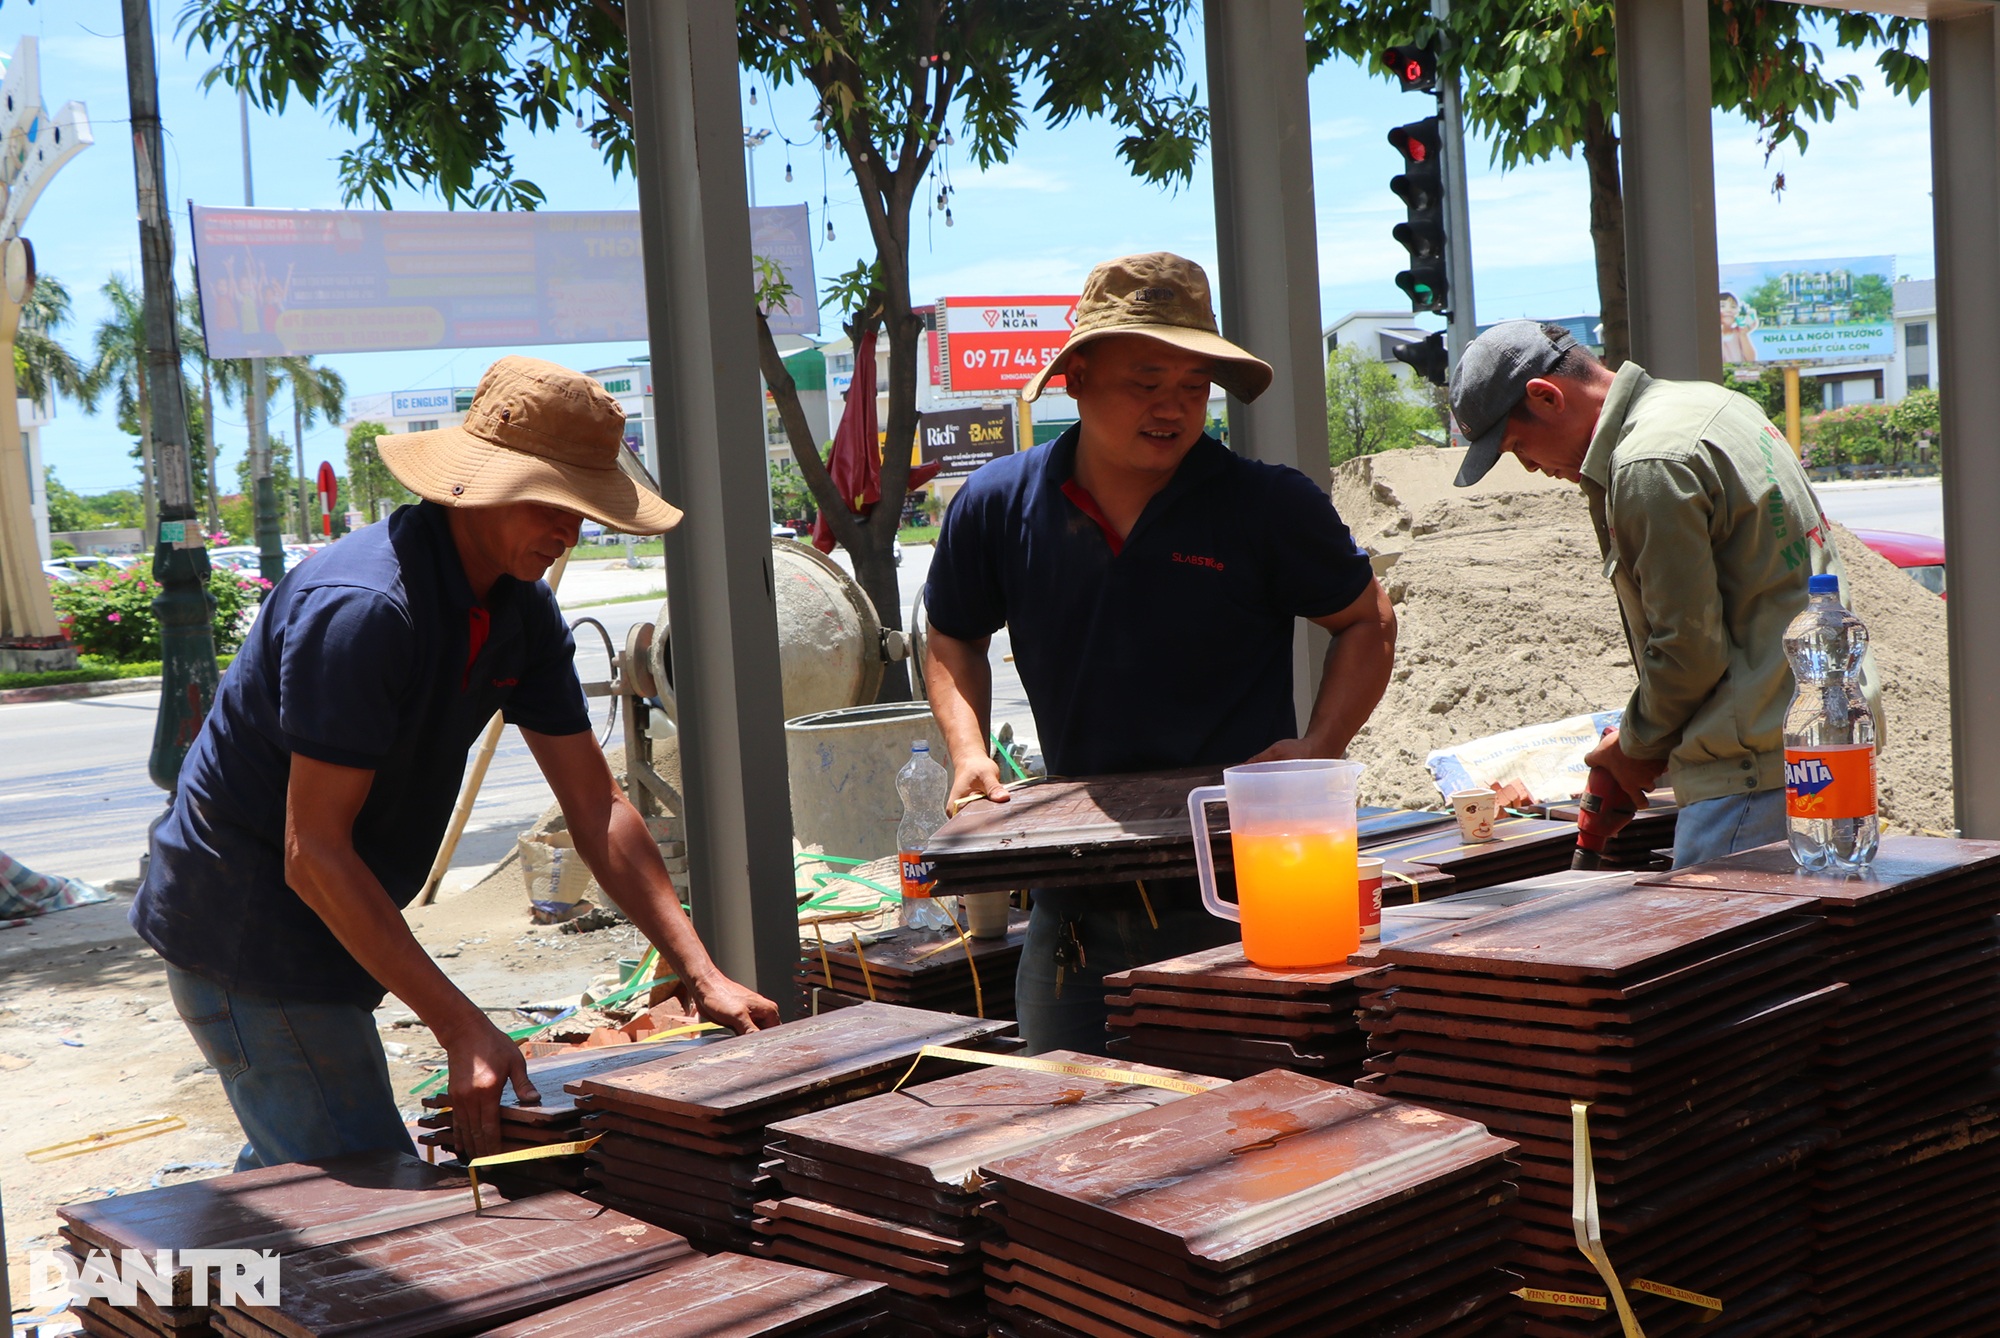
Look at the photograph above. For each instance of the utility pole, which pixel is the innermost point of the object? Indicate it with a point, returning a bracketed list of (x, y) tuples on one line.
[(264, 497), (180, 556), (1462, 324)]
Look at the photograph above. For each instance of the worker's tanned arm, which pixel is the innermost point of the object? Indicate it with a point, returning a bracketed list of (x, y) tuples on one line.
[(958, 678), (1352, 680), (321, 865), (613, 840)]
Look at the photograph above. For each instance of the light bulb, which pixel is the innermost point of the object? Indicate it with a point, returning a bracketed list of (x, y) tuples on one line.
[(947, 218), (788, 170), (753, 97), (829, 229)]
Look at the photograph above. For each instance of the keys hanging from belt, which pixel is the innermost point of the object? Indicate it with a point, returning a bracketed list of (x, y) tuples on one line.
[(1069, 954)]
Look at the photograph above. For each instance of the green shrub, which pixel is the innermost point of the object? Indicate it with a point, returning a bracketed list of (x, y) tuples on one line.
[(111, 617), (1856, 435), (61, 548)]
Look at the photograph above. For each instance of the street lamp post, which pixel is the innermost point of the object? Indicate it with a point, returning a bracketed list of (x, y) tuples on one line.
[(180, 555), (263, 494)]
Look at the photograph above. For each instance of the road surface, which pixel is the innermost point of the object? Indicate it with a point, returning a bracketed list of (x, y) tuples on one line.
[(75, 798), (1914, 506)]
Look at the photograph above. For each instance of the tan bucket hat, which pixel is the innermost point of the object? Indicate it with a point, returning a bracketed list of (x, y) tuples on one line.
[(536, 432), (1160, 296)]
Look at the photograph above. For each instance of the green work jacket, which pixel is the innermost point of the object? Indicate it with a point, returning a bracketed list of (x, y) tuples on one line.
[(1708, 530)]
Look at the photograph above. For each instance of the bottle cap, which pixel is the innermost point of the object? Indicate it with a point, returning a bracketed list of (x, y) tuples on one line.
[(923, 745), (1827, 584)]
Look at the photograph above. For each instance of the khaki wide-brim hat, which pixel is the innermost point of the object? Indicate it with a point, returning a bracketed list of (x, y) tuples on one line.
[(536, 432), (1157, 296)]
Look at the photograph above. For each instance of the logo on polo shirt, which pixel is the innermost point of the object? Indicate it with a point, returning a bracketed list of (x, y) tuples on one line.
[(506, 682), (1197, 560)]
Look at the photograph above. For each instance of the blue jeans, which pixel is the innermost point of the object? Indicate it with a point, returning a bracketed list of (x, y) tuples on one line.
[(306, 1080), (1717, 827), (1100, 931)]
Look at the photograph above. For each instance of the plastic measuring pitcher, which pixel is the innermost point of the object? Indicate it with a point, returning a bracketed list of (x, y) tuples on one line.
[(1292, 831)]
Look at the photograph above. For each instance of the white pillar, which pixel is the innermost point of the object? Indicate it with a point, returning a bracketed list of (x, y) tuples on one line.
[(1668, 161), (1965, 198), (688, 156)]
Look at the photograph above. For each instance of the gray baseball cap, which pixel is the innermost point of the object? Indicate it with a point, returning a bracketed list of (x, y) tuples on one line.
[(1491, 378)]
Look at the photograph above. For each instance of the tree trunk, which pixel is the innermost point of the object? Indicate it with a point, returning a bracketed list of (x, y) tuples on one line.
[(209, 447), (1607, 234)]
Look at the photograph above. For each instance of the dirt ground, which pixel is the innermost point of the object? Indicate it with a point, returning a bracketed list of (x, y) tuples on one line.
[(90, 1042)]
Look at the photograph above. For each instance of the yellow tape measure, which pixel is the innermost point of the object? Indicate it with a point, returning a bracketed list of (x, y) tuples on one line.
[(1574, 1300), (1709, 1303), (525, 1154), (1123, 1076)]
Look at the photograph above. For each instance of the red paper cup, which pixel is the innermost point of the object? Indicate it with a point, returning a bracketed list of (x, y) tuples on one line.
[(1369, 889)]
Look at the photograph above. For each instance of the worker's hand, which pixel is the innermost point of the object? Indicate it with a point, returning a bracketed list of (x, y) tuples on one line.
[(975, 777), (1635, 775), (1290, 750), (483, 1060), (717, 998)]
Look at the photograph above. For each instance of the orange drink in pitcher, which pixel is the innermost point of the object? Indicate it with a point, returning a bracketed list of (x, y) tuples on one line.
[(1292, 833)]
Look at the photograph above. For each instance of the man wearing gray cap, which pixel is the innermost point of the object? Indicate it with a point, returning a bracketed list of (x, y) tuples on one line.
[(1708, 530)]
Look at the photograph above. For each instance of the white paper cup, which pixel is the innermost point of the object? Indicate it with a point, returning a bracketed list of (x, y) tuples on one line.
[(1475, 811), (985, 913)]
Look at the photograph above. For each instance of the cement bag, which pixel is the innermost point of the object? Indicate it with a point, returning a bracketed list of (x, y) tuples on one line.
[(1546, 760), (558, 879)]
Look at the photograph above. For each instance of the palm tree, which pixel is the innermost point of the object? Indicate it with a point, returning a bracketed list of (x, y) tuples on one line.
[(317, 393), (118, 366), (42, 366), (225, 375)]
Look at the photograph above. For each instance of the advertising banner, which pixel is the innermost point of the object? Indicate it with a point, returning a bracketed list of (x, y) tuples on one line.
[(999, 343), (1839, 310), (282, 281), (965, 439)]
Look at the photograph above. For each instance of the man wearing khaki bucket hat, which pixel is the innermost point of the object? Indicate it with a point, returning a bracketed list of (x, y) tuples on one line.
[(1150, 582), (311, 804)]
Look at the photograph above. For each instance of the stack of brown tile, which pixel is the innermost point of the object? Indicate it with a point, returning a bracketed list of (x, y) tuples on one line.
[(1907, 1205), (283, 1208), (888, 1188), (683, 1136), (1215, 1012), (1277, 1205), (555, 1118), (456, 1275), (1685, 1020), (717, 1296), (1520, 848), (914, 969)]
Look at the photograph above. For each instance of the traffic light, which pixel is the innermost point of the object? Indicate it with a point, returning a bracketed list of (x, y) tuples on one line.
[(1415, 67), (1428, 356), (1421, 188)]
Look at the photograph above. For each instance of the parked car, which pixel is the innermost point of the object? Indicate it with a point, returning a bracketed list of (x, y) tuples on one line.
[(58, 570), (238, 558), (783, 531), (97, 564), (1918, 554)]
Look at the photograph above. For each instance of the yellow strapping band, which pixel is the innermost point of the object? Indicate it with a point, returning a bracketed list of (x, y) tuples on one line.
[(1713, 1304), (1416, 888), (674, 1033), (867, 976), (1125, 1076), (965, 937), (824, 964), (1584, 1218), (107, 1138), (1147, 902), (524, 1154), (1575, 1300)]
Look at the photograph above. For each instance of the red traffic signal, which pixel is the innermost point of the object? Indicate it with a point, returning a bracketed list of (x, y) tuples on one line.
[(1415, 67), (1420, 144)]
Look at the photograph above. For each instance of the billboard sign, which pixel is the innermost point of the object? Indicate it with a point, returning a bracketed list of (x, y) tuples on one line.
[(782, 234), (965, 439), (1839, 310), (280, 281), (999, 343)]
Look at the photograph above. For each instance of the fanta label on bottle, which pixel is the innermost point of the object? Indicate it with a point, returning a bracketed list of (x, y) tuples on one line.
[(1830, 781), (919, 874)]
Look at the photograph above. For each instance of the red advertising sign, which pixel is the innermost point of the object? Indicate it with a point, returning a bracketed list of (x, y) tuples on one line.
[(999, 343)]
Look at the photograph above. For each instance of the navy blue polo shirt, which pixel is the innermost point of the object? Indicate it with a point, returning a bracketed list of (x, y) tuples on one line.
[(1173, 649), (370, 654)]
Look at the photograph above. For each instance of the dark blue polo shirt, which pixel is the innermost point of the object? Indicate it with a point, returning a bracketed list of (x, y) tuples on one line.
[(1174, 650), (364, 656)]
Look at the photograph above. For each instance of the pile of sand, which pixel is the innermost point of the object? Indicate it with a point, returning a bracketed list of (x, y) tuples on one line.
[(1506, 620)]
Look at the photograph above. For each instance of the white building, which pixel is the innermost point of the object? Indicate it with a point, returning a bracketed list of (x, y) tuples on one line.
[(1378, 334)]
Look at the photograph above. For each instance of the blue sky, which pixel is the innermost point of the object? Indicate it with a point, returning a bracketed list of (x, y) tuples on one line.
[(1033, 225)]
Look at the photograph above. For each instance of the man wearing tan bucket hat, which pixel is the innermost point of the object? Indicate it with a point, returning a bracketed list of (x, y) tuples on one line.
[(312, 802), (1150, 581)]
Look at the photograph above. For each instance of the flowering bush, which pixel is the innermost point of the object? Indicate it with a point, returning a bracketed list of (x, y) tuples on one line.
[(112, 616)]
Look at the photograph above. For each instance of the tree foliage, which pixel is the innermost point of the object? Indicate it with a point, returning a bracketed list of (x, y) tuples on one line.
[(43, 365), (368, 479), (1540, 78), (1368, 408)]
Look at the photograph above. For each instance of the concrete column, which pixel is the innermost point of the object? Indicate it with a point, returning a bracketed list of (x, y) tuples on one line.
[(1965, 195), (1668, 161), (695, 226), (1266, 235)]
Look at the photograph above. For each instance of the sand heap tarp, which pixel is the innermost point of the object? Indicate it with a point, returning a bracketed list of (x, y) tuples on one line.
[(1505, 619)]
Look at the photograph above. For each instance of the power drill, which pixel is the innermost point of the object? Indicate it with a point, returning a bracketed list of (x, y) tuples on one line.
[(1606, 808)]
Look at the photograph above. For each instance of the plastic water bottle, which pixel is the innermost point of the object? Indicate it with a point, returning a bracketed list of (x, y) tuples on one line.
[(1829, 737), (924, 786)]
